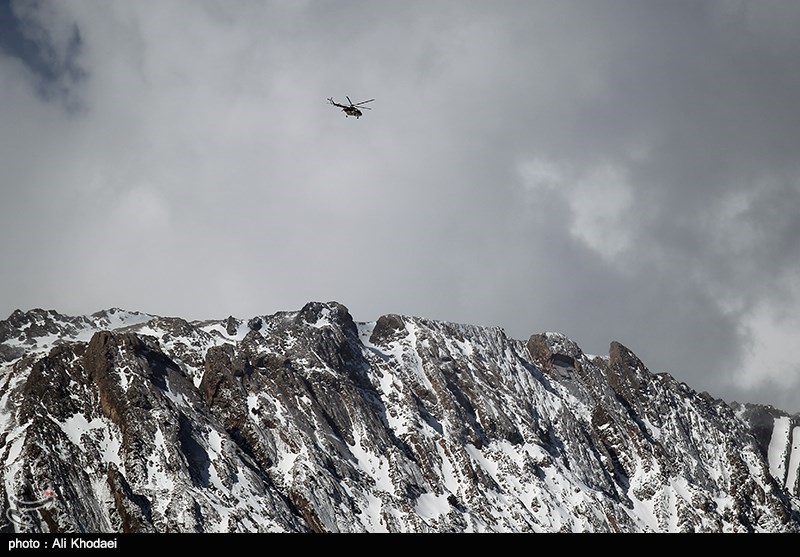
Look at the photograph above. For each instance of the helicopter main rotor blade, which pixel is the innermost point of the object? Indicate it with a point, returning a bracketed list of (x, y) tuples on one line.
[(348, 100), (363, 102)]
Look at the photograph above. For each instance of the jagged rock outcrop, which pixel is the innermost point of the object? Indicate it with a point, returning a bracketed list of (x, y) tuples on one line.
[(311, 421)]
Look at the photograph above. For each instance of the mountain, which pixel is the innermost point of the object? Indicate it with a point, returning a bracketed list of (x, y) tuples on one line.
[(308, 421)]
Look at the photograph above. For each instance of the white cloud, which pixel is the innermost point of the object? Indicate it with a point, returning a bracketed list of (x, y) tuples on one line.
[(599, 199), (771, 360), (601, 202)]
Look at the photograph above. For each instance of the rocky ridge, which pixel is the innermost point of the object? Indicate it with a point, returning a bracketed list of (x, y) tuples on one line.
[(310, 421)]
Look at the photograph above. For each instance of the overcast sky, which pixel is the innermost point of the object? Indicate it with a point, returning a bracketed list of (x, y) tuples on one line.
[(612, 170)]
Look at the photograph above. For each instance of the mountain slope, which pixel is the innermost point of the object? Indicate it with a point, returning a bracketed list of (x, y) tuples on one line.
[(310, 421)]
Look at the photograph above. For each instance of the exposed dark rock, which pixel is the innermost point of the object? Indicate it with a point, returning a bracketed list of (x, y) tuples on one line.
[(387, 328), (10, 353), (134, 511)]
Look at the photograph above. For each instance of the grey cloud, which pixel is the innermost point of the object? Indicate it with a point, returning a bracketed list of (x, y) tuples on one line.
[(205, 174)]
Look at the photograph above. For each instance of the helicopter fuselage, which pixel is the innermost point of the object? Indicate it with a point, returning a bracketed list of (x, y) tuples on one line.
[(351, 110)]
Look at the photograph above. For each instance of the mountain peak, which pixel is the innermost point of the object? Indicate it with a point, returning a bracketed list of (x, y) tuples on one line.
[(311, 421)]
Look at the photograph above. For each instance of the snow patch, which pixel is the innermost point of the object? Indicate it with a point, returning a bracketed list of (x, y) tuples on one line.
[(157, 478), (219, 330), (794, 462), (431, 506), (324, 319), (16, 438), (372, 465), (372, 512), (102, 432), (215, 450), (117, 318), (778, 445)]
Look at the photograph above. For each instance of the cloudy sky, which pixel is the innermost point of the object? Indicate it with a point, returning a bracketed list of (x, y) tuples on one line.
[(613, 170)]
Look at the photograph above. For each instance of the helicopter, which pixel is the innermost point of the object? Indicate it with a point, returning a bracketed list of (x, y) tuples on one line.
[(354, 109)]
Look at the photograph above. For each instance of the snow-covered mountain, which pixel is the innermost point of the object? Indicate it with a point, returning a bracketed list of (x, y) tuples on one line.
[(309, 421)]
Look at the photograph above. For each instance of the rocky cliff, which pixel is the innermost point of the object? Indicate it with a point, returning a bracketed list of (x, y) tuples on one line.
[(310, 421)]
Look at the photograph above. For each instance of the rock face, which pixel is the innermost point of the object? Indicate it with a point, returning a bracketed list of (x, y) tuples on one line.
[(309, 421)]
